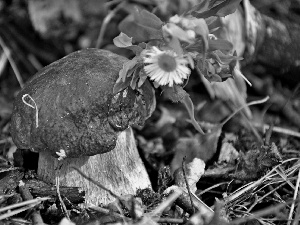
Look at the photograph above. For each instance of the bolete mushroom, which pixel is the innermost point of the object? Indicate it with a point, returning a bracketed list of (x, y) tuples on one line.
[(70, 106)]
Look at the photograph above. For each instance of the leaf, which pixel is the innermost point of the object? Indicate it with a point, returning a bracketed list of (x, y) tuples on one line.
[(197, 46), (123, 41), (201, 7), (175, 93), (223, 9), (142, 26), (149, 98), (187, 102), (127, 69), (178, 94), (222, 58), (177, 32), (210, 20), (143, 77), (193, 170), (174, 44), (148, 19), (120, 86), (135, 78), (191, 61), (214, 78), (219, 44), (202, 30)]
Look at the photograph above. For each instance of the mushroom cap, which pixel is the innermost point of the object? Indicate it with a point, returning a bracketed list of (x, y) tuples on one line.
[(77, 110)]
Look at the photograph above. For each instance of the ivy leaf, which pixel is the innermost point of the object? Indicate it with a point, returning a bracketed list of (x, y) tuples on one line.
[(222, 9), (219, 44), (142, 26), (123, 41)]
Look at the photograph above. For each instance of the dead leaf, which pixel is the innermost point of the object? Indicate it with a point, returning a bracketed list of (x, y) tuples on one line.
[(194, 171), (228, 152), (200, 146)]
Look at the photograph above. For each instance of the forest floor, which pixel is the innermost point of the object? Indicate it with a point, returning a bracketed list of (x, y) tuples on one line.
[(252, 163)]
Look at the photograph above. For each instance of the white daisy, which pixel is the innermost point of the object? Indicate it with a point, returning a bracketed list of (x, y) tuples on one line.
[(165, 67)]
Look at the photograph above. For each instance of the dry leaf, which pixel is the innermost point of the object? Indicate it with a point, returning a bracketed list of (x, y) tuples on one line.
[(193, 172), (200, 146)]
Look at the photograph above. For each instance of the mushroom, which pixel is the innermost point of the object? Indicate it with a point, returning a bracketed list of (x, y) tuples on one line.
[(69, 107)]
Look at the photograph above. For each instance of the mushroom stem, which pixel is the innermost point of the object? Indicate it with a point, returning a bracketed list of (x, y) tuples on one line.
[(120, 170)]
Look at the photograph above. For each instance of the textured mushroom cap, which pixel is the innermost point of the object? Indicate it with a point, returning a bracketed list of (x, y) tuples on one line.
[(77, 111)]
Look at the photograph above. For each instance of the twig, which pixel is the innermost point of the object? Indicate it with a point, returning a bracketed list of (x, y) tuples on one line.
[(278, 130), (113, 2), (248, 187), (269, 134), (170, 220), (283, 175), (97, 183), (294, 198), (12, 213), (239, 109), (297, 214), (187, 184), (27, 205), (211, 187), (261, 198), (105, 22), (26, 195), (12, 63), (119, 216), (33, 201), (64, 208), (159, 209), (109, 212), (267, 211)]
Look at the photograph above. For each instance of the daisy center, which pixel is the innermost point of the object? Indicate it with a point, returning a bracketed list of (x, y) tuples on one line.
[(167, 62)]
